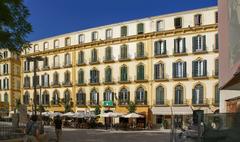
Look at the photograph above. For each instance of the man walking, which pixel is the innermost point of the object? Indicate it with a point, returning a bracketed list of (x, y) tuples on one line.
[(58, 127), (32, 130)]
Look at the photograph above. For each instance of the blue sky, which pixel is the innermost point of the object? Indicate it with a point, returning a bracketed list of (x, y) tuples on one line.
[(54, 17)]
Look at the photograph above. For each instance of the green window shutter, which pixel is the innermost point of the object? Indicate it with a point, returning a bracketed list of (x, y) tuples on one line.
[(194, 43), (175, 46), (193, 96), (145, 98), (205, 67), (156, 48), (216, 41), (194, 68), (140, 28), (184, 45), (204, 43), (201, 95), (165, 47), (185, 69), (174, 70)]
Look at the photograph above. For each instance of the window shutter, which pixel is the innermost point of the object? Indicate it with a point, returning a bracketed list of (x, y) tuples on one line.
[(194, 68), (104, 96), (174, 70), (128, 93), (145, 98), (193, 96), (216, 41), (165, 47), (113, 94), (175, 45), (194, 43), (184, 45), (162, 71), (156, 48), (205, 67), (201, 94), (155, 71), (204, 43), (185, 69)]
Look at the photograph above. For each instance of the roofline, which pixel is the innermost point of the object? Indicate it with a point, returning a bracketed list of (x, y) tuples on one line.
[(125, 22)]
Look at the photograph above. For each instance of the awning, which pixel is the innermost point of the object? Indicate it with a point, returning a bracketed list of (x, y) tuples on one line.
[(161, 110), (186, 110), (206, 110)]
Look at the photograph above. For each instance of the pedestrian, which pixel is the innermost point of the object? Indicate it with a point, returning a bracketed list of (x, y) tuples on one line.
[(32, 130), (58, 127)]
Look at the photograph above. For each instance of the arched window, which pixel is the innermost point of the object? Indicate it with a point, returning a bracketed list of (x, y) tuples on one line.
[(141, 96), (160, 98), (67, 41), (6, 98), (178, 99), (55, 98), (124, 52), (94, 76), (26, 98), (108, 53), (197, 96), (55, 78), (67, 59), (94, 36), (124, 73), (81, 38), (217, 95), (124, 96), (81, 58), (56, 43), (67, 80), (26, 82), (80, 76), (94, 97), (81, 98), (124, 31), (56, 61), (180, 69), (45, 62), (140, 50), (140, 72), (160, 47), (94, 56), (109, 33), (140, 28), (36, 48), (45, 80), (199, 68), (67, 96), (159, 71), (108, 95), (45, 46), (108, 74), (45, 98)]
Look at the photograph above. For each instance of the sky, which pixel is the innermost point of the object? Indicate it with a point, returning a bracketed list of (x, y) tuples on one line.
[(54, 17)]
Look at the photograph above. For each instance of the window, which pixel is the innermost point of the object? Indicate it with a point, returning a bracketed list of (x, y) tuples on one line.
[(124, 73), (109, 33), (45, 62), (160, 25), (67, 60), (56, 43), (36, 48), (5, 54), (5, 69), (0, 87), (216, 17), (124, 31), (108, 95), (67, 80), (140, 28), (179, 46), (199, 68), (94, 97), (56, 61), (6, 83), (67, 41), (94, 76), (140, 49), (160, 47), (55, 98), (178, 99), (108, 53), (108, 74), (140, 72), (124, 96), (6, 98), (26, 66), (197, 96), (217, 94), (94, 57), (141, 96), (159, 71), (55, 78), (178, 22), (35, 81), (67, 97), (198, 20), (45, 80), (199, 43), (45, 98), (124, 52), (179, 69), (81, 38), (94, 36), (216, 72), (45, 46), (160, 100), (80, 76), (81, 98), (26, 82), (26, 98), (216, 42), (81, 58)]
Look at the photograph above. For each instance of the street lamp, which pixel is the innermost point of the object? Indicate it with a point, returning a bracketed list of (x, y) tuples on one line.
[(35, 60)]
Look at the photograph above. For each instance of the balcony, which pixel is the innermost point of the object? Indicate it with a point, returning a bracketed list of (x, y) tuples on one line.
[(55, 84), (81, 103), (200, 51), (203, 102), (27, 71), (109, 59), (215, 74), (141, 79), (162, 55), (215, 48), (93, 103), (123, 58), (180, 103), (180, 77), (141, 102), (141, 56), (94, 82), (164, 77), (200, 76), (82, 63), (26, 86), (124, 80), (162, 103), (81, 83), (45, 86), (180, 53), (65, 65), (45, 68), (108, 81), (67, 84), (56, 67), (123, 102), (94, 61)]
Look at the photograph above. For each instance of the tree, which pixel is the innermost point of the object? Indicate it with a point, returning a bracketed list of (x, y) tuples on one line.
[(68, 104), (13, 25), (131, 107), (97, 110), (41, 108)]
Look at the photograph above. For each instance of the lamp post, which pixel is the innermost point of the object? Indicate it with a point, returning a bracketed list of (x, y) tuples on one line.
[(35, 60)]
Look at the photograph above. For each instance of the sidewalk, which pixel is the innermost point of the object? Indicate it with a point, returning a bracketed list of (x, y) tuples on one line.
[(132, 131)]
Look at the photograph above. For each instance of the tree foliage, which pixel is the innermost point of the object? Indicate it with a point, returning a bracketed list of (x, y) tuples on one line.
[(131, 107), (97, 110), (13, 25)]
